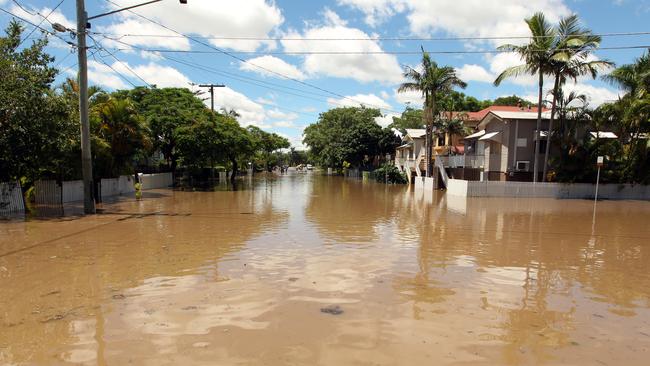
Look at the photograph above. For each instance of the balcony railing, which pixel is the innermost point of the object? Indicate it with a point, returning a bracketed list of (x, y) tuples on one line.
[(462, 161)]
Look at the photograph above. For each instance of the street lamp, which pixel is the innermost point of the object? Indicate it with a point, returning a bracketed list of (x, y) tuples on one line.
[(86, 160)]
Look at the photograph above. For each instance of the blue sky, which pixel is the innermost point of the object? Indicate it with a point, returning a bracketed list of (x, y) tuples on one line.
[(284, 93)]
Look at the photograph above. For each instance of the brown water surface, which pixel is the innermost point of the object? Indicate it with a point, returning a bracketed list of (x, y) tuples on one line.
[(240, 278)]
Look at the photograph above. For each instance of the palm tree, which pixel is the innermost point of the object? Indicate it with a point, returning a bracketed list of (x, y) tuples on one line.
[(570, 60), (120, 125), (430, 80), (537, 57), (634, 78), (450, 127)]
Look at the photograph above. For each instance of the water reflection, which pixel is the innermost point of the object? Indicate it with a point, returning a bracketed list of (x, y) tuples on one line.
[(234, 277)]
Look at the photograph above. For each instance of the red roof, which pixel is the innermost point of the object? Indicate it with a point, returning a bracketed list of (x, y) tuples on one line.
[(477, 116)]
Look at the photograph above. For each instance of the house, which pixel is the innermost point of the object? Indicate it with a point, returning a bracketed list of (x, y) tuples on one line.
[(504, 144), (411, 150)]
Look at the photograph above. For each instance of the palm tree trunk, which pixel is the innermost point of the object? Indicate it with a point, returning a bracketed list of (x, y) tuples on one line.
[(556, 88), (430, 137), (539, 124)]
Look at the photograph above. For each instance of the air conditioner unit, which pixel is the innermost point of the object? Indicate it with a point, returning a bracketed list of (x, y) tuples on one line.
[(522, 166)]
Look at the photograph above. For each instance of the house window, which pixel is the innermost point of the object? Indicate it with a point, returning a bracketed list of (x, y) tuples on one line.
[(441, 141), (522, 166), (522, 142), (542, 146)]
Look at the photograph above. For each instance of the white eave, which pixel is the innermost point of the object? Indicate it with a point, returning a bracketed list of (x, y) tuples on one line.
[(475, 135)]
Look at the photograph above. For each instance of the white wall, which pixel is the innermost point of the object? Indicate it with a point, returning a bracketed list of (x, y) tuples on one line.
[(160, 180), (550, 190), (73, 191)]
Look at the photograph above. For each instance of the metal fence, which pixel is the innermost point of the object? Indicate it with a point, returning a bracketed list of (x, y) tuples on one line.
[(11, 199)]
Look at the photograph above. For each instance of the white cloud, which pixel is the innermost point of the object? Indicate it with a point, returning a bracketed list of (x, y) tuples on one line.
[(465, 18), (251, 113), (242, 18), (361, 67), (367, 100), (113, 77), (474, 73), (595, 95), (278, 114), (102, 75), (154, 74), (272, 63), (386, 119), (56, 16), (283, 124), (502, 61), (376, 11), (414, 98)]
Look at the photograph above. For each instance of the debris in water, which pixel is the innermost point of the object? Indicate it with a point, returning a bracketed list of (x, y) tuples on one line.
[(293, 279), (332, 309), (119, 297)]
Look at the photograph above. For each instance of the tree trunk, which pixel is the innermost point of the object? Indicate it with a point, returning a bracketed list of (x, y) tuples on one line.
[(430, 136), (539, 124), (556, 87)]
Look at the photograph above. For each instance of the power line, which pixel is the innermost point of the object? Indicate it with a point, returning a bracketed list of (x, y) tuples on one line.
[(115, 71), (244, 79), (37, 26), (300, 53), (250, 63), (41, 22), (373, 39), (97, 44)]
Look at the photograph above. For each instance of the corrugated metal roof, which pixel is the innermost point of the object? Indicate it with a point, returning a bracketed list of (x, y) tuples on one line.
[(475, 135), (416, 132), (520, 115), (490, 136)]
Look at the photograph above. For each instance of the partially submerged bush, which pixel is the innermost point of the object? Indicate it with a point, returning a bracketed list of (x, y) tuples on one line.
[(392, 173)]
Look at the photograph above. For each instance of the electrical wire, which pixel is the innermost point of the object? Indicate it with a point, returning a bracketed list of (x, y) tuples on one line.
[(373, 39), (42, 20), (98, 45), (253, 64), (37, 26), (259, 53)]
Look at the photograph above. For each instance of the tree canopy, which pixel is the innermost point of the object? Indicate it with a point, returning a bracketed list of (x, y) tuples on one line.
[(348, 134)]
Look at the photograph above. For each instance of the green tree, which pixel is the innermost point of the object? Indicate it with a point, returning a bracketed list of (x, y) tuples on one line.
[(267, 143), (348, 134), (512, 100), (165, 111), (118, 123), (431, 80), (537, 57), (411, 118), (33, 121), (571, 50)]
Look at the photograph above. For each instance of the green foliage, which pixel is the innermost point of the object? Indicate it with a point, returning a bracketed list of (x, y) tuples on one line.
[(348, 134), (512, 100), (391, 172), (411, 118), (266, 144), (166, 111), (123, 133), (34, 133)]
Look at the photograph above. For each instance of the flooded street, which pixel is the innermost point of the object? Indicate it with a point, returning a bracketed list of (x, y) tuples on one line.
[(254, 277)]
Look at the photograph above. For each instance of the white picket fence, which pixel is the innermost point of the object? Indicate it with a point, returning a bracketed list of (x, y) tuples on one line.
[(117, 186), (11, 199), (546, 190)]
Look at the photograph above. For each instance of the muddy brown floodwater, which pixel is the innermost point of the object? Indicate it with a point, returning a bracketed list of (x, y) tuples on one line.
[(310, 270)]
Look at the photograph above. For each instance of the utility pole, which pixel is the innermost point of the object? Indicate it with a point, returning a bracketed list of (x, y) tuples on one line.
[(86, 155), (212, 86), (86, 158)]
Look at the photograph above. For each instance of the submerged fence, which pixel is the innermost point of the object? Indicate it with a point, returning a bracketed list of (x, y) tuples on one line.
[(11, 199)]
